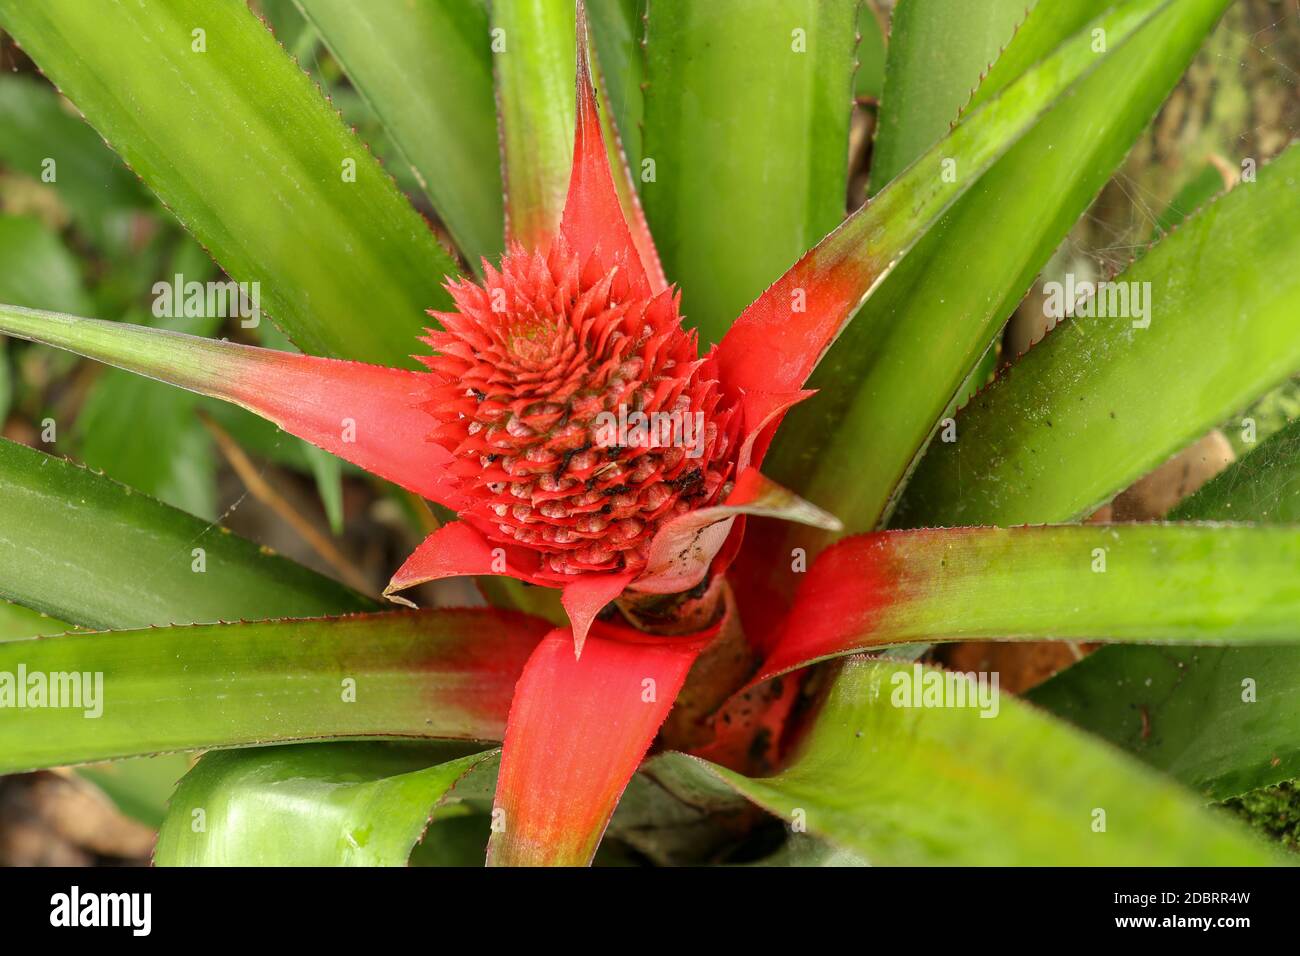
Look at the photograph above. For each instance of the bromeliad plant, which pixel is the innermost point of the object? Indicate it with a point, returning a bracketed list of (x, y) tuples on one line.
[(582, 437)]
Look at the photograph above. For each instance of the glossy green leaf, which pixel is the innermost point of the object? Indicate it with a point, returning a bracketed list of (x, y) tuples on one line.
[(1221, 720), (426, 70), (938, 51), (532, 46), (240, 144), (746, 123), (780, 339), (1102, 401), (313, 805), (909, 785), (439, 673), (1203, 584), (885, 382), (83, 548)]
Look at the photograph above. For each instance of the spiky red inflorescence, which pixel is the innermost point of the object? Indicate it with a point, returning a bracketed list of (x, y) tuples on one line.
[(523, 370)]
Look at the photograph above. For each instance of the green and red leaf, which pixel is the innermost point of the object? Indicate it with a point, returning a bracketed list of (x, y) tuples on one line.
[(369, 415), (438, 674), (1202, 584)]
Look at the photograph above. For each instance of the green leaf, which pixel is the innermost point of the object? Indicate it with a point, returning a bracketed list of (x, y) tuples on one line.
[(455, 836), (1203, 584), (616, 27), (290, 27), (6, 384), (17, 622), (80, 547), (239, 143), (35, 266), (906, 785), (36, 269), (98, 191), (1188, 711), (1102, 401), (873, 48), (128, 418), (426, 70), (1222, 721), (886, 380), (139, 787), (938, 51), (1199, 190), (1263, 486), (314, 805), (439, 673), (533, 54), (746, 121)]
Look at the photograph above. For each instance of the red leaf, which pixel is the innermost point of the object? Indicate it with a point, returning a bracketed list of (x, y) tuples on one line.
[(586, 596), (593, 217), (778, 340), (369, 415), (459, 549), (763, 412), (849, 585), (577, 732)]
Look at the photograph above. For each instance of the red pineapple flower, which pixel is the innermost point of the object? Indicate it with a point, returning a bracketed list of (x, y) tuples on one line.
[(536, 373)]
